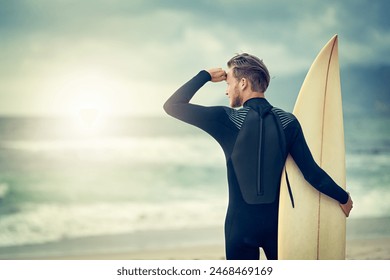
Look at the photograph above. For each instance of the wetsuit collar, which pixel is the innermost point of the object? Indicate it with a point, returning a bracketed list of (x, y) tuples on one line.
[(256, 101)]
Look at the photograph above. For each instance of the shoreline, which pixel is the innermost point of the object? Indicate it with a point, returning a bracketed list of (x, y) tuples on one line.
[(367, 249), (367, 239)]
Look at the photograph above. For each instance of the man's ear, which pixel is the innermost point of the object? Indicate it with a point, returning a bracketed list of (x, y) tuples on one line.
[(243, 83)]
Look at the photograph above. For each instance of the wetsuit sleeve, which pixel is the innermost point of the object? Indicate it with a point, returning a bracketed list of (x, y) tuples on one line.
[(314, 174), (207, 118)]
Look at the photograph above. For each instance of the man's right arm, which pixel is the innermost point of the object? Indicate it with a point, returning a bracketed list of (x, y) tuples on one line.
[(314, 174)]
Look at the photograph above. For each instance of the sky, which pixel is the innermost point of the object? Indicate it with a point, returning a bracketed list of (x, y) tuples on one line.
[(122, 57)]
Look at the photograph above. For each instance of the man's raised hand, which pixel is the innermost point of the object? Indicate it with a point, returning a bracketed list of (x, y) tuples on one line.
[(217, 74)]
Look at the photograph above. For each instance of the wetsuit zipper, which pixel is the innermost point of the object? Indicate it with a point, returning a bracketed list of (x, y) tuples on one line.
[(260, 190)]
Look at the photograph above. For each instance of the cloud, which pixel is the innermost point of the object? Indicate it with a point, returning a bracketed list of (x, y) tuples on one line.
[(150, 46)]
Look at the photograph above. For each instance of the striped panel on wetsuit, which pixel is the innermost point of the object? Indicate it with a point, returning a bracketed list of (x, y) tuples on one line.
[(285, 118), (238, 116)]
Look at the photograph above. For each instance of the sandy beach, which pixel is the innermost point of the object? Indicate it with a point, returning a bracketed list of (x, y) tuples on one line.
[(371, 249), (367, 239)]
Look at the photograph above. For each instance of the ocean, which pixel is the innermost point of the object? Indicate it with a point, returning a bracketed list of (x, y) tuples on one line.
[(60, 180)]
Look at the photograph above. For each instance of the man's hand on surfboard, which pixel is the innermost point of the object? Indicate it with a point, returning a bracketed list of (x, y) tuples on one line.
[(347, 207), (217, 74)]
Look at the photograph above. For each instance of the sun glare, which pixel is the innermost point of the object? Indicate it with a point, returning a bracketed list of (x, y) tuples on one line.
[(89, 116), (89, 102), (89, 113)]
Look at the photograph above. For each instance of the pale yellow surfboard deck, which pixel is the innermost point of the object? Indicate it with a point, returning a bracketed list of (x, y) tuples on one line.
[(316, 227)]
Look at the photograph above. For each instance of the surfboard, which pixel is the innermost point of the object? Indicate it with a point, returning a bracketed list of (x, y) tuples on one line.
[(316, 227)]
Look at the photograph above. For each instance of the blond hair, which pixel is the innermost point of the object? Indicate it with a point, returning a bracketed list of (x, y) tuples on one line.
[(252, 68)]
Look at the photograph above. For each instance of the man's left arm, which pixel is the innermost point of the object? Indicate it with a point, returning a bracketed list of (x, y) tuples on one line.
[(179, 106)]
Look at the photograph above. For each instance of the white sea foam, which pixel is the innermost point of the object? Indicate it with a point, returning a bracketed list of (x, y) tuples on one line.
[(184, 205), (370, 203), (52, 222), (188, 150)]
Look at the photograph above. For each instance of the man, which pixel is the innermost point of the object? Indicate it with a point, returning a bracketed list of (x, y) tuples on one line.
[(252, 215)]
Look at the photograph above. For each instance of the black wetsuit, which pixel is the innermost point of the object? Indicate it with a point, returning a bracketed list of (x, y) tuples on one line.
[(249, 226)]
